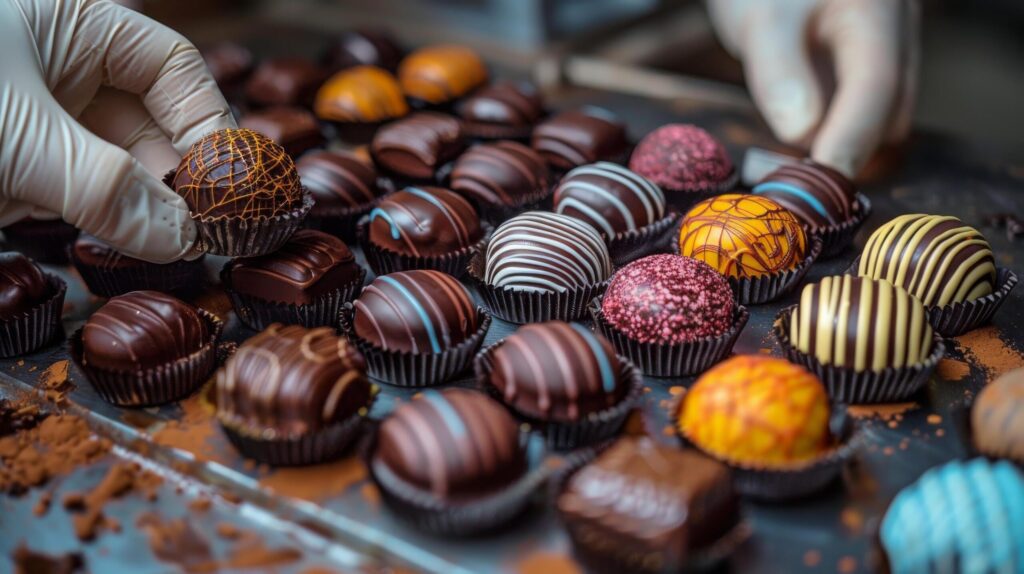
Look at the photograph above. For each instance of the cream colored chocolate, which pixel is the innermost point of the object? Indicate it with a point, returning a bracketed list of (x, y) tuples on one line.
[(860, 323), (997, 418), (936, 258)]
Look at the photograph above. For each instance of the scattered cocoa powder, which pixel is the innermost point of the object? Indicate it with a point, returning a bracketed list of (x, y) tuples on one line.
[(847, 564), (370, 494), (200, 505), (316, 482), (43, 504), (55, 384), (887, 412), (28, 561), (228, 531), (55, 446), (255, 555), (986, 349), (812, 558), (197, 432), (177, 542), (934, 419), (953, 370), (547, 563), (121, 478)]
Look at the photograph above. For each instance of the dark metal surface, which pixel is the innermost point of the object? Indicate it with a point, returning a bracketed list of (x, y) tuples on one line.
[(829, 532)]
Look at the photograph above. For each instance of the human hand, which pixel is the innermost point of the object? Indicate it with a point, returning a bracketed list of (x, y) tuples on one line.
[(873, 50), (95, 99)]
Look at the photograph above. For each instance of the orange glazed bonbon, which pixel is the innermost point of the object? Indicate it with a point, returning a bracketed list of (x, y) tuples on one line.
[(757, 410), (743, 236), (438, 74), (361, 94)]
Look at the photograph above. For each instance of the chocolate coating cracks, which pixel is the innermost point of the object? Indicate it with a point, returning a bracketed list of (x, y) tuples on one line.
[(22, 285), (578, 137), (424, 221), (503, 173), (417, 145), (438, 74)]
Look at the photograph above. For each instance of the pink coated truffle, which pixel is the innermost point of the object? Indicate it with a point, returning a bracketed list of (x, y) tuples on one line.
[(682, 157), (669, 299)]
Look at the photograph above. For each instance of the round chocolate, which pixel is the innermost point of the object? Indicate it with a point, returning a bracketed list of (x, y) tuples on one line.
[(421, 311), (612, 199), (439, 74), (668, 299), (503, 173), (294, 129), (363, 47), (292, 380), (577, 137), (454, 443), (360, 95), (861, 324), (340, 182), (682, 157), (540, 251), (417, 145), (141, 330), (506, 104), (997, 417), (743, 236), (310, 265), (424, 221), (284, 82), (557, 371), (936, 258), (22, 285), (229, 63), (238, 173), (818, 195)]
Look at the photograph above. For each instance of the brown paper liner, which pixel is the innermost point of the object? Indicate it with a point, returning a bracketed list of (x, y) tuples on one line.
[(836, 238), (516, 306), (958, 318), (35, 328), (239, 237), (665, 360), (846, 385), (653, 238), (567, 435), (157, 385), (384, 261), (43, 241), (258, 314), (177, 277), (415, 369), (685, 198)]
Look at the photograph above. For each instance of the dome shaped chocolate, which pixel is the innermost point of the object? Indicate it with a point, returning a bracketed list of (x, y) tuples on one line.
[(612, 199), (363, 94), (285, 81), (577, 137), (818, 195), (453, 443), (438, 74), (504, 104), (421, 311), (503, 173), (424, 221), (363, 48), (238, 173), (22, 285), (295, 129), (339, 182), (936, 258), (417, 145)]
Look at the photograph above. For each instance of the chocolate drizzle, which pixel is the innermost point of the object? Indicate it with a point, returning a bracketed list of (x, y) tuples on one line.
[(817, 195), (503, 103), (338, 181), (424, 221), (577, 137), (501, 173), (609, 197), (417, 145)]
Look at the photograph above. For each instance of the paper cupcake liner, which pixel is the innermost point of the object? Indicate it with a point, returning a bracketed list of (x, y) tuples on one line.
[(434, 515), (403, 369), (671, 360), (258, 314), (958, 318), (567, 435), (685, 198), (384, 261), (157, 385), (836, 238), (177, 277), (35, 328), (653, 238), (846, 385), (340, 223), (517, 306), (43, 241)]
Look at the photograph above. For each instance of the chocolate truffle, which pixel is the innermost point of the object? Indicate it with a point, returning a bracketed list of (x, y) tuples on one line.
[(420, 311), (612, 199), (363, 47), (294, 129), (936, 258), (818, 195), (284, 82), (503, 173), (454, 444), (229, 63), (757, 410), (861, 324), (743, 236), (290, 380), (578, 137), (43, 240), (424, 222), (340, 182), (310, 265), (557, 371), (997, 417), (416, 146), (958, 517), (440, 74), (542, 252), (668, 299), (645, 507), (238, 173), (503, 109), (142, 330), (22, 285), (682, 157), (360, 95)]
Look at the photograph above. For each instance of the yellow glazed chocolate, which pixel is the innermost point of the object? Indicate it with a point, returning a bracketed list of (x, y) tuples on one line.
[(438, 74), (364, 94)]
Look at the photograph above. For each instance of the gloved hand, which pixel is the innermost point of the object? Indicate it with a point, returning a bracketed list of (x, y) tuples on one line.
[(94, 100), (874, 52)]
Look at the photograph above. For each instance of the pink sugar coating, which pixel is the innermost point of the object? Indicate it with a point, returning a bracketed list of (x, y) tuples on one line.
[(669, 299), (681, 157)]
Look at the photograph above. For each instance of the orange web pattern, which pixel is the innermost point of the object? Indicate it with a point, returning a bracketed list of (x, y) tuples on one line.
[(238, 173), (743, 236), (757, 410)]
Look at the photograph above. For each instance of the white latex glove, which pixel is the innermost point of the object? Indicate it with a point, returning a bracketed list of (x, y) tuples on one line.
[(873, 50), (94, 100)]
